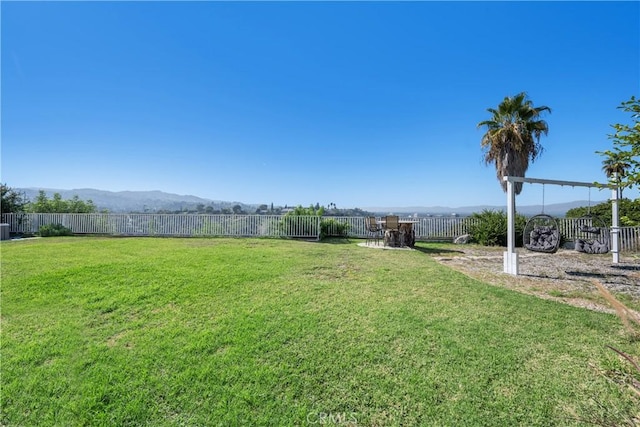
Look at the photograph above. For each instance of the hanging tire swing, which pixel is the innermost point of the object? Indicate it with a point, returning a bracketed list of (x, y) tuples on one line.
[(592, 234), (541, 233)]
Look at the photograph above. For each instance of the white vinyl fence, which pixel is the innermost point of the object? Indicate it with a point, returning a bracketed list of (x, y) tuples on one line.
[(170, 225), (430, 228), (440, 228)]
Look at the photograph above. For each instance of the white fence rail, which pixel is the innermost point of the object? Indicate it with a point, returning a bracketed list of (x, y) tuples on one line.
[(430, 228), (222, 225), (170, 225)]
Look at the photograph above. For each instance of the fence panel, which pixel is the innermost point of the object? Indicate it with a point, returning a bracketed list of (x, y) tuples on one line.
[(629, 239), (190, 225), (430, 228), (170, 225)]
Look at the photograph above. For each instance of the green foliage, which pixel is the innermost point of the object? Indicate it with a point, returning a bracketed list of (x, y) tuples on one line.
[(331, 227), (328, 227), (292, 227), (629, 212), (624, 158), (310, 211), (491, 229), (512, 139), (11, 201), (57, 204), (52, 230)]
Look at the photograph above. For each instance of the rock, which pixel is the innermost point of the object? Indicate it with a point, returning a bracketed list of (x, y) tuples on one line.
[(462, 240)]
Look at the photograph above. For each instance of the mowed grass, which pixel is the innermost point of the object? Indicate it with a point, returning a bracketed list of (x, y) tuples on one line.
[(201, 332)]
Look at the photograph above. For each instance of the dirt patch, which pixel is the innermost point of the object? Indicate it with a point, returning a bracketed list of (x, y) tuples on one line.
[(564, 276)]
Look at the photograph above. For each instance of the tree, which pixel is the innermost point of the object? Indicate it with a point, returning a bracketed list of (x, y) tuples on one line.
[(57, 204), (615, 167), (626, 147), (513, 137), (629, 211), (11, 201)]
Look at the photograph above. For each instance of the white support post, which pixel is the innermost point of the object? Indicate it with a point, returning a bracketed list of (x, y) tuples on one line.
[(615, 226), (511, 256)]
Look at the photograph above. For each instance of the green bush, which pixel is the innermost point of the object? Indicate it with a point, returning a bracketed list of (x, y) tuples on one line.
[(292, 226), (629, 211), (331, 227), (491, 229), (51, 230)]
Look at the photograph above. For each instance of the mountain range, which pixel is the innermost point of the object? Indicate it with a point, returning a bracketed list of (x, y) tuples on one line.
[(135, 201), (153, 201)]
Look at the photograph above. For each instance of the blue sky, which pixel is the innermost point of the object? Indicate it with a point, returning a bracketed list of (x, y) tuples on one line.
[(359, 104)]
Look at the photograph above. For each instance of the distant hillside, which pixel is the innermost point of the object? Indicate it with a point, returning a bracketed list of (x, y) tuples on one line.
[(136, 201), (154, 201), (559, 209)]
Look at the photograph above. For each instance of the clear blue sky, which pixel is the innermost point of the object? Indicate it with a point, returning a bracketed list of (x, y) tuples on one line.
[(357, 103)]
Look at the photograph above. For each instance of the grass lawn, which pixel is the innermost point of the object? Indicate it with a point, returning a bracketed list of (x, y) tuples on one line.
[(201, 332)]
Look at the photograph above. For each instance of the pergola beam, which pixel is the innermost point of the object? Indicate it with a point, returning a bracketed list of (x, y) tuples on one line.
[(557, 182)]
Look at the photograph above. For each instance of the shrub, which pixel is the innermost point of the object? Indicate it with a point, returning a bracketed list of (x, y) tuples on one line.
[(51, 230), (491, 228), (293, 226), (629, 211), (331, 227)]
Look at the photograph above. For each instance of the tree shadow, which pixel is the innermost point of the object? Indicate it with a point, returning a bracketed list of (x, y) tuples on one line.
[(335, 241), (437, 251), (626, 267), (600, 276)]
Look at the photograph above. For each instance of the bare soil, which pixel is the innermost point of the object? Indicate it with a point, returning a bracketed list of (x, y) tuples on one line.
[(565, 276)]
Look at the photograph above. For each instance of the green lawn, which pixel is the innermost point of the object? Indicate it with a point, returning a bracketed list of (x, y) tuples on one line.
[(252, 332)]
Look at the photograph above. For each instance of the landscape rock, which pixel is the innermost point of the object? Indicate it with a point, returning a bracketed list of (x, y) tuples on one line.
[(462, 240)]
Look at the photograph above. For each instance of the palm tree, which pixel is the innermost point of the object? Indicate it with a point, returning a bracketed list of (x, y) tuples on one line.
[(513, 137), (615, 166)]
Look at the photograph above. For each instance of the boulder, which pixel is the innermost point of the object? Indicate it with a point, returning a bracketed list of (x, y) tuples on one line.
[(462, 240)]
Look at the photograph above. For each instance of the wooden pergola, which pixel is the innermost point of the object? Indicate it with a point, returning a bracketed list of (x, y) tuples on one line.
[(511, 256)]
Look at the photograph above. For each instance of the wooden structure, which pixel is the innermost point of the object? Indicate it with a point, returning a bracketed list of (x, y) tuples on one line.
[(511, 256)]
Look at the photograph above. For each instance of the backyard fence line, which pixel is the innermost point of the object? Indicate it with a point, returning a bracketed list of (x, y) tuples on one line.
[(311, 227), (169, 224)]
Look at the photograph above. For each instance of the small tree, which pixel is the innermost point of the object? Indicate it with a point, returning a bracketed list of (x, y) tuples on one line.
[(615, 167), (629, 212), (622, 163), (57, 204), (11, 201), (289, 222)]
